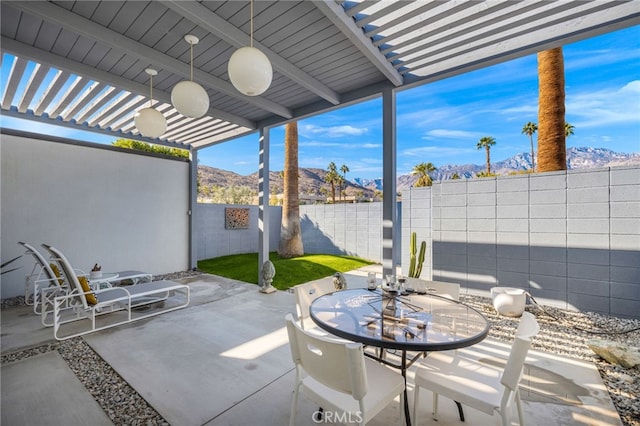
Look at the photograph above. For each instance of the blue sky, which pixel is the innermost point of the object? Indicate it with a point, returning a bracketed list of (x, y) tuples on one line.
[(442, 122)]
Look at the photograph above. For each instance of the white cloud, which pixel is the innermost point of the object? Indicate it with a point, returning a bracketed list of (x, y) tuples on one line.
[(332, 131), (449, 134), (436, 152), (605, 107)]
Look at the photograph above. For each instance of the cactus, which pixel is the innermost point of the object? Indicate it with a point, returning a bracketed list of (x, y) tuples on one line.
[(412, 251), (415, 263), (423, 249)]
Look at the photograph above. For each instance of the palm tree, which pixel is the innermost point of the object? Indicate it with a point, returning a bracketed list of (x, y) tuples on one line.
[(344, 169), (423, 170), (487, 142), (568, 130), (552, 151), (290, 232), (331, 178), (529, 129)]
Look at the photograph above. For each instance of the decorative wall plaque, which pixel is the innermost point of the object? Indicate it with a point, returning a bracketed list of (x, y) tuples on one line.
[(236, 218)]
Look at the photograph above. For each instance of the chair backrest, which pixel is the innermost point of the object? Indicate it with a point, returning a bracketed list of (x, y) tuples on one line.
[(339, 366), (50, 276), (307, 293), (69, 273), (441, 288), (527, 329)]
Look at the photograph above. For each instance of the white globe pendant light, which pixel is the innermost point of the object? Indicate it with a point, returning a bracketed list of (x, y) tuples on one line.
[(188, 97), (149, 121), (249, 69)]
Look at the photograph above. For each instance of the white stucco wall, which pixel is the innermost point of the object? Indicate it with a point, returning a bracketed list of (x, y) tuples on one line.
[(122, 210)]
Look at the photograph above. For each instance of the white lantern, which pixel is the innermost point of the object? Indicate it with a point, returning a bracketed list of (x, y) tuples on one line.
[(150, 122), (188, 97), (250, 71)]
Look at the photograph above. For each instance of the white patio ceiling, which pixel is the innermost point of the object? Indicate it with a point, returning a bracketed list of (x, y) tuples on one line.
[(81, 63)]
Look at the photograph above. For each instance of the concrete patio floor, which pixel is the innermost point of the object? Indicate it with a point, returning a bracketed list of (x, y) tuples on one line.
[(225, 360)]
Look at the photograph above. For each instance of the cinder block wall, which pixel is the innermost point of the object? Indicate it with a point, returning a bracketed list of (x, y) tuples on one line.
[(214, 240), (352, 229), (572, 239)]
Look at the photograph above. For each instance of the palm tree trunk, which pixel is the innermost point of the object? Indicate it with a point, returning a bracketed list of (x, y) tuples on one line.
[(552, 153), (290, 232), (533, 155), (488, 148)]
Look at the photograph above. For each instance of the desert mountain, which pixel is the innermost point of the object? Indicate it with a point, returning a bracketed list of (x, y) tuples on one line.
[(312, 179)]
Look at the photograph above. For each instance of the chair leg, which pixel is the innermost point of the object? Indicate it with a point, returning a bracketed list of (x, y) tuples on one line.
[(294, 405), (416, 399), (519, 406), (435, 406), (401, 410)]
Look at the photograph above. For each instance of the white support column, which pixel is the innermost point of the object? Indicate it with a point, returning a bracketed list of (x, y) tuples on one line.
[(389, 204), (263, 201), (193, 202)]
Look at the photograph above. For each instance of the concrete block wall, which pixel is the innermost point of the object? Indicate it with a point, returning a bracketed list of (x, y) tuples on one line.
[(351, 229), (624, 240), (214, 240), (572, 239)]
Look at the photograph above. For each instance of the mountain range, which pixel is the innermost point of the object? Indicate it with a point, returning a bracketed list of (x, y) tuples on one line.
[(312, 180)]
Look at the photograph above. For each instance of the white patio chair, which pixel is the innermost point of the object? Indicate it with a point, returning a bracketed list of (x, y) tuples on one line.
[(440, 288), (305, 294), (83, 303), (42, 278), (339, 378), (469, 382)]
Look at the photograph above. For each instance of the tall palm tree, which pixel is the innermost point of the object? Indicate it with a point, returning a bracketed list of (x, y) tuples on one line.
[(487, 142), (423, 170), (331, 178), (568, 130), (344, 169), (290, 232), (552, 151), (529, 129)]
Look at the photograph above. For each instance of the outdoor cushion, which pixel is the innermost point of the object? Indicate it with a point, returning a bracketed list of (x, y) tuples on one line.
[(56, 271), (91, 297)]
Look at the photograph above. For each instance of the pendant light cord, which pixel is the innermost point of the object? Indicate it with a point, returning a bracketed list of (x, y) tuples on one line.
[(150, 90), (251, 24), (191, 47)]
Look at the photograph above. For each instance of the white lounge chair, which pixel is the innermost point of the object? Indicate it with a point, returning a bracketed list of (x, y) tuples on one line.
[(478, 385), (42, 278), (108, 307), (339, 378)]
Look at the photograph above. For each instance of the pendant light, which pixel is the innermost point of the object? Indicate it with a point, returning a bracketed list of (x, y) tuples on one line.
[(249, 69), (188, 97), (149, 121)]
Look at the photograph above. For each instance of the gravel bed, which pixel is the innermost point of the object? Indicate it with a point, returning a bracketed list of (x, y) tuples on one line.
[(558, 335)]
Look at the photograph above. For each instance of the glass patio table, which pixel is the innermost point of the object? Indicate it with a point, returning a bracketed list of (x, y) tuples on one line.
[(404, 322)]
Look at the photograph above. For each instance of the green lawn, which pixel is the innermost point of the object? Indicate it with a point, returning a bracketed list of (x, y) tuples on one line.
[(289, 272)]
